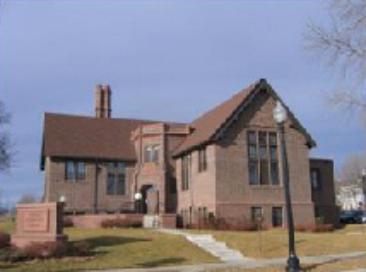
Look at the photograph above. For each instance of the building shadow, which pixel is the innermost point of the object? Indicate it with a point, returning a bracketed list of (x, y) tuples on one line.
[(163, 262), (285, 245), (311, 267)]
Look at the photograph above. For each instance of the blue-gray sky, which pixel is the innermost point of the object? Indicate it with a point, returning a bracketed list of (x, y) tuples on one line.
[(165, 60)]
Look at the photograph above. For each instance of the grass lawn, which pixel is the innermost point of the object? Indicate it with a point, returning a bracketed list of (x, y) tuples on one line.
[(117, 248), (326, 267), (273, 243), (120, 248)]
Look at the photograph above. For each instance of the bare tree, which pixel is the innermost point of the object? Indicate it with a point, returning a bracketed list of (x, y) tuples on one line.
[(342, 44), (350, 171), (349, 185), (5, 147)]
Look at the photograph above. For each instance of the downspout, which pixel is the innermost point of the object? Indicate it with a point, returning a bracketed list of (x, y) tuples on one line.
[(164, 157), (95, 204), (190, 186)]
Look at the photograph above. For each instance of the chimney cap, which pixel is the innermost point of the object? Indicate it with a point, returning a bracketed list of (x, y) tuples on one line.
[(106, 87)]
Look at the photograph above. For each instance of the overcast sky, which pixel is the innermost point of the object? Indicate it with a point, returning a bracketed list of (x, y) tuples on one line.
[(165, 60)]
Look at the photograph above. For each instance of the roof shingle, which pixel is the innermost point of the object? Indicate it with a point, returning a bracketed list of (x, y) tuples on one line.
[(89, 137), (208, 123)]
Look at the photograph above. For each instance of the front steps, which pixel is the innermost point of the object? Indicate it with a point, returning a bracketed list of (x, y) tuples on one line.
[(151, 221), (216, 248), (208, 243)]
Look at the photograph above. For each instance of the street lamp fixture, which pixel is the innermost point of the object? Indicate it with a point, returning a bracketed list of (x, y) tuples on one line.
[(62, 199), (280, 116), (138, 198)]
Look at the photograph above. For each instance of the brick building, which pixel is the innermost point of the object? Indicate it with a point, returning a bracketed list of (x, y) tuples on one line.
[(223, 164)]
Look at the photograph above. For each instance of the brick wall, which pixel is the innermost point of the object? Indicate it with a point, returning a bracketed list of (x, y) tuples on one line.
[(235, 195), (324, 196), (162, 174), (80, 195), (224, 188), (202, 189)]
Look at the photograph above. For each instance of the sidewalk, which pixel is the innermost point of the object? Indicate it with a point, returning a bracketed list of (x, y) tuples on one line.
[(252, 263)]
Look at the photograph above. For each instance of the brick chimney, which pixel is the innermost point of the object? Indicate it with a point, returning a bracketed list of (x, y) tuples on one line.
[(103, 101)]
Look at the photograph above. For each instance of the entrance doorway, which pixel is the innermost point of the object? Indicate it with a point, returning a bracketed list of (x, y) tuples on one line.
[(150, 199)]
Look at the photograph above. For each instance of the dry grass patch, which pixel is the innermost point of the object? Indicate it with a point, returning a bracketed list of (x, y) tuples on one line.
[(120, 248), (273, 243), (349, 264)]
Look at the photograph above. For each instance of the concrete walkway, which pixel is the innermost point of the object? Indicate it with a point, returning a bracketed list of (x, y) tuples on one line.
[(208, 243), (252, 263)]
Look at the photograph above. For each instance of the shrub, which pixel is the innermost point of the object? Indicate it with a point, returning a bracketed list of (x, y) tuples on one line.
[(324, 228), (120, 223), (12, 254), (67, 222), (302, 228), (80, 248), (46, 250), (4, 239), (234, 224)]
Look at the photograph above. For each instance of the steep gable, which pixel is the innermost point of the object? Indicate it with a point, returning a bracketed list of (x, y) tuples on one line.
[(212, 125)]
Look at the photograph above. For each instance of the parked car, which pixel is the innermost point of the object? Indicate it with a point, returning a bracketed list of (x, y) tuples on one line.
[(353, 217)]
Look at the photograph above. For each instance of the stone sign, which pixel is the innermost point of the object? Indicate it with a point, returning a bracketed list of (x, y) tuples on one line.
[(38, 222)]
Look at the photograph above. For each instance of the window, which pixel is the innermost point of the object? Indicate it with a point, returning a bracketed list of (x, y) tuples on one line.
[(151, 153), (277, 217), (80, 170), (70, 170), (116, 178), (273, 158), (256, 214), (253, 172), (315, 178), (74, 170), (186, 169), (263, 158), (202, 160)]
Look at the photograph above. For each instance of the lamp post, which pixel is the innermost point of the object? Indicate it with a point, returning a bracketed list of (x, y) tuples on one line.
[(62, 200), (280, 116), (138, 197)]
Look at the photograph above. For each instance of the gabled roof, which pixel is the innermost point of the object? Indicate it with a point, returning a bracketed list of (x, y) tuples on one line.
[(210, 125), (72, 136)]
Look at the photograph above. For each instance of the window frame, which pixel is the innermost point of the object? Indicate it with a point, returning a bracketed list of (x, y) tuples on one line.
[(151, 153), (260, 150), (116, 175), (186, 172), (276, 219), (77, 173), (318, 179), (253, 214), (202, 159)]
